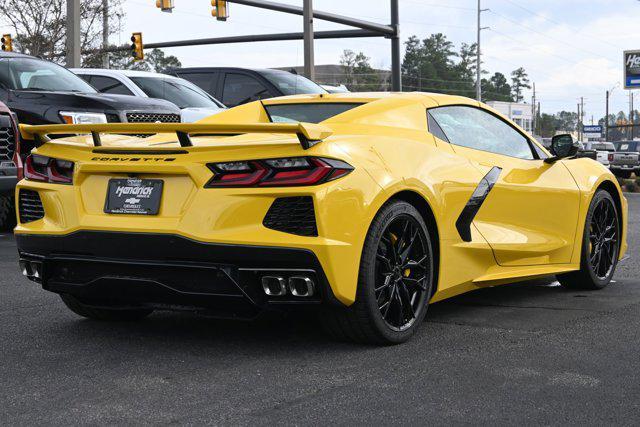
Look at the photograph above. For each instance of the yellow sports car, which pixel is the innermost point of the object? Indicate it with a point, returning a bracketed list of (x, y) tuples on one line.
[(364, 206)]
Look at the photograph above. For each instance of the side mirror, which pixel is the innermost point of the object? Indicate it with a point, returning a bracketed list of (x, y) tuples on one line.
[(562, 146)]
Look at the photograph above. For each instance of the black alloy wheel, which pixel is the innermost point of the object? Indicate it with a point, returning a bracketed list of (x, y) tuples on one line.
[(402, 273), (600, 246), (603, 239)]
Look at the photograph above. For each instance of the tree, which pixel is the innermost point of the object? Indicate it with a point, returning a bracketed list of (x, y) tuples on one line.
[(429, 65), (155, 60), (359, 74), (519, 81), (496, 88), (40, 25)]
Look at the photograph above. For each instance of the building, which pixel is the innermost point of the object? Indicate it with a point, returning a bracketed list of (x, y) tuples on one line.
[(520, 113)]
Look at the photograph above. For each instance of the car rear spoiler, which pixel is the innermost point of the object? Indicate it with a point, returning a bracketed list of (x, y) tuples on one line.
[(308, 134)]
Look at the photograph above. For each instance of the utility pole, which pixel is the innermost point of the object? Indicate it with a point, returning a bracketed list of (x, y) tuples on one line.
[(105, 33), (538, 122), (581, 117), (533, 110), (479, 54), (307, 16), (606, 120), (396, 65), (578, 128), (631, 114), (73, 34)]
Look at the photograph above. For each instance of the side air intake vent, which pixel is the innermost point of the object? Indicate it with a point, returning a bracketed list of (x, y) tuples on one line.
[(30, 206), (293, 215)]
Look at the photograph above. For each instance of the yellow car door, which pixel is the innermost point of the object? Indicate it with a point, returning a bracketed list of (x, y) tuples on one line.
[(529, 215)]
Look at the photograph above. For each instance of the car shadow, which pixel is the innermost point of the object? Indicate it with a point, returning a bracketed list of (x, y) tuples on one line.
[(526, 306)]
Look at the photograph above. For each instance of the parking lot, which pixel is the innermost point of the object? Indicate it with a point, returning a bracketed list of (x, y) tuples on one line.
[(531, 352)]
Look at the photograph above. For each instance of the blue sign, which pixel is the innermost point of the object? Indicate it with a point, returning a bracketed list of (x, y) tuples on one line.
[(632, 69), (592, 129)]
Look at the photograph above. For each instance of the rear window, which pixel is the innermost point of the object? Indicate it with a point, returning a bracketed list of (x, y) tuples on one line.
[(627, 146), (309, 113)]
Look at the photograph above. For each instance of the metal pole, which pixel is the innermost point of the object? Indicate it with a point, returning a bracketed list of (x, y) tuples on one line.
[(631, 116), (533, 111), (478, 62), (309, 66), (396, 63), (73, 34), (606, 120), (105, 33)]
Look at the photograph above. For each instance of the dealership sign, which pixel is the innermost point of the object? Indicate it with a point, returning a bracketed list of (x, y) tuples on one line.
[(592, 129), (632, 69)]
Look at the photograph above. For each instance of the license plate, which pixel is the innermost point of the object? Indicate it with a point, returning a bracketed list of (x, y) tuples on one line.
[(134, 196)]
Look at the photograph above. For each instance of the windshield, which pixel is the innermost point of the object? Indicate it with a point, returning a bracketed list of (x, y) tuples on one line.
[(292, 84), (308, 113), (35, 74), (178, 91)]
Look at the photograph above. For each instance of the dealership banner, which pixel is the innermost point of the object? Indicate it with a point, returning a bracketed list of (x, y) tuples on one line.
[(632, 69)]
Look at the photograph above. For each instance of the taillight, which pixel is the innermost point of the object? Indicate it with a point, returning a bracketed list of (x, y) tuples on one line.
[(284, 172), (47, 169), (610, 157)]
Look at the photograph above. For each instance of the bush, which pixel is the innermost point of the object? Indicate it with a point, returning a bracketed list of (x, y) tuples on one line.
[(621, 181), (631, 187)]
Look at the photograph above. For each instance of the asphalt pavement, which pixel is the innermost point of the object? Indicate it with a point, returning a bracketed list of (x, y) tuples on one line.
[(530, 353)]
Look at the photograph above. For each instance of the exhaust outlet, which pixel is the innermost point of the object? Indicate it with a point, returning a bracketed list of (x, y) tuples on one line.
[(300, 286), (274, 286)]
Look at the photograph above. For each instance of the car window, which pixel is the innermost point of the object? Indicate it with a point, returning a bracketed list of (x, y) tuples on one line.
[(32, 74), (292, 84), (240, 88), (474, 128), (435, 128), (309, 113), (109, 85), (205, 81), (182, 93)]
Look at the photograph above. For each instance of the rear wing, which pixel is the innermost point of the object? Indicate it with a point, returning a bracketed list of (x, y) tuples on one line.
[(308, 134)]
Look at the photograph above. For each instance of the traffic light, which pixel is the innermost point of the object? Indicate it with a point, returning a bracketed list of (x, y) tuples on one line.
[(220, 9), (7, 43), (165, 5), (137, 48)]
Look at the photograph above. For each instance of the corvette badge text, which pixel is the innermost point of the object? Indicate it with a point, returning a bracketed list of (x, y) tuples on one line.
[(133, 159)]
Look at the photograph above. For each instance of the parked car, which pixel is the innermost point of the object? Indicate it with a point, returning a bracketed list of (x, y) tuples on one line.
[(601, 151), (41, 92), (621, 162), (630, 148), (583, 151), (335, 89), (292, 203), (194, 103), (235, 86), (10, 166)]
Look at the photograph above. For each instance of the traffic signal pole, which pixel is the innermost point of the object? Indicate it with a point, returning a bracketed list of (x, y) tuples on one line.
[(309, 63), (73, 34)]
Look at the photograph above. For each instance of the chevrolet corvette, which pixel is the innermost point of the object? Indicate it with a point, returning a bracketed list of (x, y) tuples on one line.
[(365, 207)]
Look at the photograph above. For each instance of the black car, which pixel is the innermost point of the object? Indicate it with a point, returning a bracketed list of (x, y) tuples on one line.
[(235, 86), (10, 166), (41, 92)]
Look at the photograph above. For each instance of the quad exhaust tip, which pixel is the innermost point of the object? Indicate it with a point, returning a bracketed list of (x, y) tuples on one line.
[(297, 286)]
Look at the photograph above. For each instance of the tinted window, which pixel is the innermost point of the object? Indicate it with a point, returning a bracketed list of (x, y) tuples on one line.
[(205, 81), (178, 91), (435, 128), (473, 128), (309, 113), (109, 85), (291, 84), (34, 74), (240, 88)]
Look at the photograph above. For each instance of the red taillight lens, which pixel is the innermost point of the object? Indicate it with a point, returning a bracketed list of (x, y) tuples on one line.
[(610, 157), (284, 172), (47, 169)]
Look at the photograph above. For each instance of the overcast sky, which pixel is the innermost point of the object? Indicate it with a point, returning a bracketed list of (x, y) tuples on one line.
[(570, 48)]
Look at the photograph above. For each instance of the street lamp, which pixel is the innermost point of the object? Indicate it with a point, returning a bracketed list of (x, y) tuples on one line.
[(606, 117)]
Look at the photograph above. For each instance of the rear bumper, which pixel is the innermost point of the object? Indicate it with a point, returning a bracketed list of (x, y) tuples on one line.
[(168, 271)]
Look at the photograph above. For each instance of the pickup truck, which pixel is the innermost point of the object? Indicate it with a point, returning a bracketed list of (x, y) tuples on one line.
[(583, 151), (630, 150)]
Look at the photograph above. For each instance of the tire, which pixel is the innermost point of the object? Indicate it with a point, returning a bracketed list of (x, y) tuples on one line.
[(7, 212), (103, 314), (596, 270), (390, 275)]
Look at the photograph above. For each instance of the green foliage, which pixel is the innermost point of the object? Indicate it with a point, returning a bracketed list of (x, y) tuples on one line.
[(154, 60), (359, 74), (631, 187), (433, 65), (519, 81), (563, 121)]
